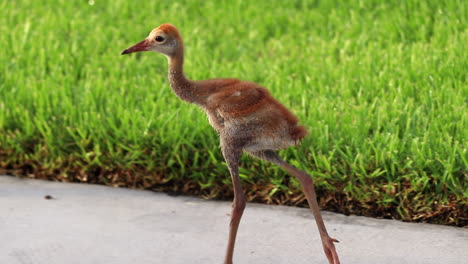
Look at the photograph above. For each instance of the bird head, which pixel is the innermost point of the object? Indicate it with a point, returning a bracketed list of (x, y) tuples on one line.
[(164, 39)]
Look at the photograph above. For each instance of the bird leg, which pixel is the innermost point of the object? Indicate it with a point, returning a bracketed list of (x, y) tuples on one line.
[(232, 156), (308, 187)]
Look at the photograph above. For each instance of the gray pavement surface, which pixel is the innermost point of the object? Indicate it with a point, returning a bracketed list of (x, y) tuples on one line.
[(99, 224)]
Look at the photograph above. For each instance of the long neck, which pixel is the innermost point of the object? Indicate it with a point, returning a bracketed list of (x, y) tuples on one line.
[(182, 87)]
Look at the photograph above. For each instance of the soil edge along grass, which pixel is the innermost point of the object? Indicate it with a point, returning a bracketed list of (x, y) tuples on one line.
[(380, 85)]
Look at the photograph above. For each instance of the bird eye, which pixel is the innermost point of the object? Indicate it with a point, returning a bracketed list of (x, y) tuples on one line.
[(159, 39)]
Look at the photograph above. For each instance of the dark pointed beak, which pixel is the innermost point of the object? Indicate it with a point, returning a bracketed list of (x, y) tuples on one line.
[(141, 46)]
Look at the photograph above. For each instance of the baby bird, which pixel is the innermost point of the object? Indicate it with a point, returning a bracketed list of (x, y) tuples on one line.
[(247, 119)]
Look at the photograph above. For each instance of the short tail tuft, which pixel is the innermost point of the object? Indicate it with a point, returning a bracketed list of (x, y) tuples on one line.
[(298, 133)]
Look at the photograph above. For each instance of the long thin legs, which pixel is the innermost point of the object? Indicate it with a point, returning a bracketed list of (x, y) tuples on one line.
[(308, 187), (232, 156)]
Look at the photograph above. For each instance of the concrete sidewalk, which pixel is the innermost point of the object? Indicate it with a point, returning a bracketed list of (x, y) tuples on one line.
[(99, 224)]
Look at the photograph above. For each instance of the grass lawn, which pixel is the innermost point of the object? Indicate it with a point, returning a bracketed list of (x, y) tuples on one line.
[(381, 86)]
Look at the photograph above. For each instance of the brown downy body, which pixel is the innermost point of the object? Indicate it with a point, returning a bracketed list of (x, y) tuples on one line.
[(235, 108)]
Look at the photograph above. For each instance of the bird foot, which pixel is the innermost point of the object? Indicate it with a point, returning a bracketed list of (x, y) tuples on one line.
[(330, 250)]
